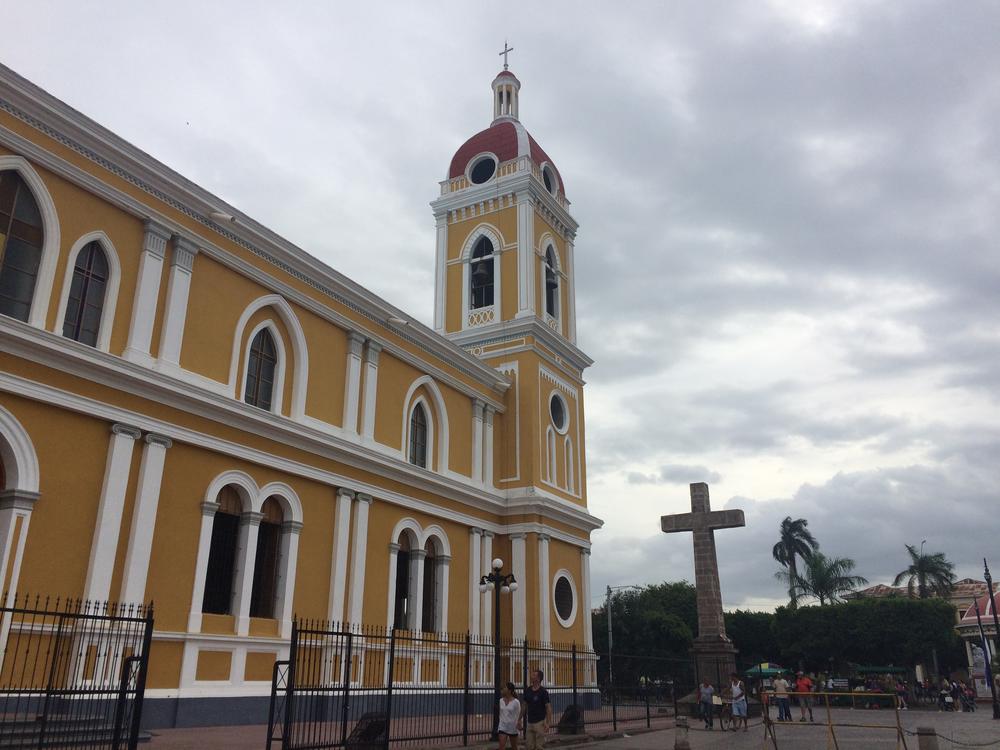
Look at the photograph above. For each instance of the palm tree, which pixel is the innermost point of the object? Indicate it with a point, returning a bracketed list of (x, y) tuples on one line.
[(794, 540), (825, 578), (930, 574)]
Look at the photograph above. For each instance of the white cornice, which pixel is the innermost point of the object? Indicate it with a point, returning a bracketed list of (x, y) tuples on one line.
[(22, 340), (513, 329), (41, 110), (522, 181)]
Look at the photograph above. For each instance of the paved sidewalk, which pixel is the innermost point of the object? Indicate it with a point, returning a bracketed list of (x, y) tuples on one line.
[(977, 728)]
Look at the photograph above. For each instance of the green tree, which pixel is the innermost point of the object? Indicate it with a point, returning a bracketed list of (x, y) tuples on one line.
[(825, 578), (896, 631), (928, 574), (657, 620), (794, 540), (753, 635)]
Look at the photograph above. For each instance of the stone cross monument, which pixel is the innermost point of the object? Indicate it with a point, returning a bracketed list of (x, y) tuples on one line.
[(714, 653)]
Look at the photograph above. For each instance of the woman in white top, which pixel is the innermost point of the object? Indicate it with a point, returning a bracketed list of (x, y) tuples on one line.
[(510, 715)]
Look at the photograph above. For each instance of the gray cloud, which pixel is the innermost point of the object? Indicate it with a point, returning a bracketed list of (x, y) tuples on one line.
[(787, 262)]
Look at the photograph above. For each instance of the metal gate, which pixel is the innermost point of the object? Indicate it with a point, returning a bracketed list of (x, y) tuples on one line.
[(72, 673)]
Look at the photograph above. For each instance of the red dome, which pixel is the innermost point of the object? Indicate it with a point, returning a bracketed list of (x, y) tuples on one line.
[(986, 608), (507, 140)]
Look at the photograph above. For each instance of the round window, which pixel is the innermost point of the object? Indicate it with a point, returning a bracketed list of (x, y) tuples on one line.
[(482, 170), (564, 599), (557, 410), (549, 179)]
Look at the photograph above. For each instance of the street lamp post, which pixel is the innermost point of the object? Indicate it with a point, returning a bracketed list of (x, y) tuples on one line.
[(986, 652), (498, 583), (607, 610), (996, 630)]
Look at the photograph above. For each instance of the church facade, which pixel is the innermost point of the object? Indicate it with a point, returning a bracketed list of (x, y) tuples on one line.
[(195, 412)]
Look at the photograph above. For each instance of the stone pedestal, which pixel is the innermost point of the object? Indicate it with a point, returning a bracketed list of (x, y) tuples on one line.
[(714, 658)]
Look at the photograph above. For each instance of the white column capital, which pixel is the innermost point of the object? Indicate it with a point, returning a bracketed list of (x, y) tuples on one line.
[(520, 535), (488, 534), (209, 508), (355, 341), (418, 554), (585, 551), (155, 238), (251, 518), (184, 252), (393, 548), (159, 440), (544, 538), (291, 527), (344, 492), (126, 431), (361, 497), (18, 500), (476, 531), (372, 352), (478, 406), (444, 559)]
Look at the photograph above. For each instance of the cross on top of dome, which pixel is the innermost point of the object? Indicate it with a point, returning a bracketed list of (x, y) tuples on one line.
[(505, 52)]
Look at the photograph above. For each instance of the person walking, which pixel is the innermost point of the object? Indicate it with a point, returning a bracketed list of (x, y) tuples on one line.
[(804, 687), (738, 693), (705, 695), (536, 712), (781, 695), (510, 717)]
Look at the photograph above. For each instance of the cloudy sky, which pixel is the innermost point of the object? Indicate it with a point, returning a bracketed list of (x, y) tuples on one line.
[(788, 264)]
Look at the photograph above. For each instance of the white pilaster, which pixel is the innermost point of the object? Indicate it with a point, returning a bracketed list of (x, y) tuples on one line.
[(287, 566), (357, 596), (440, 269), (341, 543), (104, 546), (544, 609), (147, 292), (393, 569), (488, 447), (519, 567), (371, 389), (585, 605), (415, 620), (14, 505), (140, 544), (443, 574), (478, 405), (208, 510), (525, 256), (178, 289), (485, 567), (352, 382), (246, 555), (475, 552), (570, 292)]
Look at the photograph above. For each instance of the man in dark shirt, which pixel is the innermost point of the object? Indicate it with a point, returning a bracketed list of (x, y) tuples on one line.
[(538, 711)]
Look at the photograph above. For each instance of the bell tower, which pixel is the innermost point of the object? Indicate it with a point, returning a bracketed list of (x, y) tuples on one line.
[(505, 289)]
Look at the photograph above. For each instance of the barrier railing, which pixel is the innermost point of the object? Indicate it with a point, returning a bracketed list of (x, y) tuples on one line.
[(826, 703)]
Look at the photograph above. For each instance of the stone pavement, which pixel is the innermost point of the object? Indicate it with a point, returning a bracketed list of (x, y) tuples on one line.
[(978, 729)]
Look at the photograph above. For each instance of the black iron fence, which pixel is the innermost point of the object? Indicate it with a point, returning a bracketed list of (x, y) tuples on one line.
[(72, 673), (374, 687)]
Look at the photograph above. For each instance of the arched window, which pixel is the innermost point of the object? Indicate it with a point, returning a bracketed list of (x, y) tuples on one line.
[(260, 370), (21, 239), (418, 436), (481, 275), (431, 592), (550, 449), (551, 284), (218, 598), (570, 471), (85, 304), (265, 572), (403, 604)]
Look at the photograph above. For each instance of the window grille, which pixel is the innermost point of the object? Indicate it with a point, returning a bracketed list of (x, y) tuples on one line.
[(85, 304), (21, 240)]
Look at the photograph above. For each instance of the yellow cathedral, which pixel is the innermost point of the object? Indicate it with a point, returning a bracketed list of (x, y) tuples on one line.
[(198, 413)]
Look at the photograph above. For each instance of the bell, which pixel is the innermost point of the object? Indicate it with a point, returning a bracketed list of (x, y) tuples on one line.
[(550, 281), (480, 274)]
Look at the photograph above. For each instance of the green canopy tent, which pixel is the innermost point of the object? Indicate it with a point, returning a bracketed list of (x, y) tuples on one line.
[(765, 669)]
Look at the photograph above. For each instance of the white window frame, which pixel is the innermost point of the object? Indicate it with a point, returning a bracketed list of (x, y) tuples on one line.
[(482, 316), (110, 302), (39, 309), (429, 414), (553, 321), (569, 621), (279, 367)]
